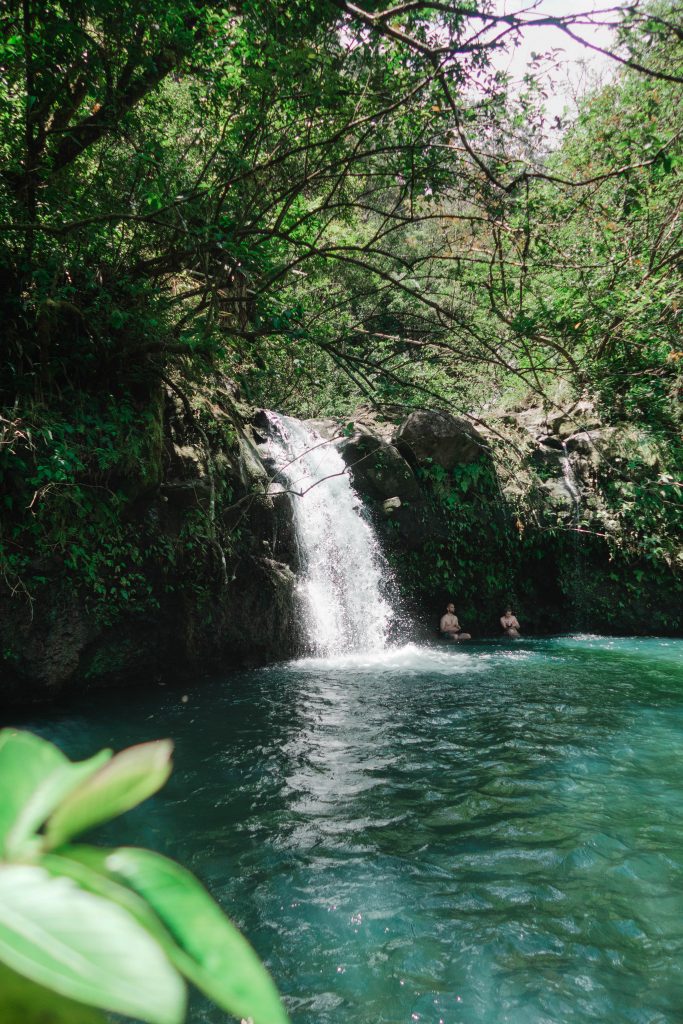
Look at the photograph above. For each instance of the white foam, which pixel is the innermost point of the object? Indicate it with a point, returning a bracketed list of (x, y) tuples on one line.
[(409, 659)]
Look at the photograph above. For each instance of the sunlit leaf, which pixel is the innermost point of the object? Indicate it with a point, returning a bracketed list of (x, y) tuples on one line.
[(217, 959), (84, 947), (36, 778), (128, 779), (85, 866)]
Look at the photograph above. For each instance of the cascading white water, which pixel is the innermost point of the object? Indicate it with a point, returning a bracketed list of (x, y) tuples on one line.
[(342, 567), (577, 582), (570, 482)]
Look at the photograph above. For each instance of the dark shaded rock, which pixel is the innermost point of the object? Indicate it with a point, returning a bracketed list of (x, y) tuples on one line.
[(185, 462), (559, 496), (187, 483), (260, 421), (551, 444), (587, 443), (252, 473), (580, 416), (57, 645), (256, 621), (143, 647), (555, 425), (42, 640), (413, 525), (368, 419), (257, 521), (194, 620), (377, 470), (187, 494), (385, 480), (284, 543), (439, 437), (533, 420), (546, 459)]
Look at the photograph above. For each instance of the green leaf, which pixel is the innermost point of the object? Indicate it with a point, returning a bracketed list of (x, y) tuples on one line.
[(84, 947), (212, 952), (25, 762), (36, 778), (88, 866), (128, 779), (85, 866), (24, 1002)]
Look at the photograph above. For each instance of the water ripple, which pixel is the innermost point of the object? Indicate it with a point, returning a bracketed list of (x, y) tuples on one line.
[(481, 835)]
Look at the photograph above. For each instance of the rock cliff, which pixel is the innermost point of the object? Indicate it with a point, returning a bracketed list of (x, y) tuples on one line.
[(550, 510), (214, 555), (533, 507)]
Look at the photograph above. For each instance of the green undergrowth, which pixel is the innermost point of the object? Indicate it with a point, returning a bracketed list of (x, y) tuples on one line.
[(84, 510), (486, 551)]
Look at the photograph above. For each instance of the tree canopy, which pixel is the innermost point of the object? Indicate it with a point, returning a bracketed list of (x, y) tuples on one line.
[(326, 202), (313, 189)]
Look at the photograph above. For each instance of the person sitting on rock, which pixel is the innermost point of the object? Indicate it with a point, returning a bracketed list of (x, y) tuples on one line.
[(449, 625), (509, 623)]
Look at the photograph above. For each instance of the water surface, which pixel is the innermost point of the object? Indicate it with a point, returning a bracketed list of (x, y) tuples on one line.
[(490, 834)]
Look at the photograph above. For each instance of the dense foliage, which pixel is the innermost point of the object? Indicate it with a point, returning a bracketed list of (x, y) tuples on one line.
[(323, 201)]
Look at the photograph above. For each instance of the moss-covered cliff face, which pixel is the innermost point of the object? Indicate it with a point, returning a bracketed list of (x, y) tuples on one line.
[(138, 540), (577, 524)]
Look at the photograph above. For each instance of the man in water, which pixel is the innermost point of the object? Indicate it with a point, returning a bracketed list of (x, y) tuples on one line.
[(450, 626), (509, 623)]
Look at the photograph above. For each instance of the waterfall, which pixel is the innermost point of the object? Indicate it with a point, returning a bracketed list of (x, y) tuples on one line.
[(571, 483), (342, 567), (578, 582), (504, 519)]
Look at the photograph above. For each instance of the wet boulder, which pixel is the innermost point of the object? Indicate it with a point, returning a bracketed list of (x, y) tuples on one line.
[(377, 469), (431, 435), (256, 622), (558, 497)]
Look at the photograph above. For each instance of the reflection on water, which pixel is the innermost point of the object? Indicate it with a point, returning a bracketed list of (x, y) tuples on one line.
[(481, 834)]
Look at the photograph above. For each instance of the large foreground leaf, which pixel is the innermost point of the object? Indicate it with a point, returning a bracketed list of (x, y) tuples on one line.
[(84, 947), (85, 866), (128, 779), (213, 953), (36, 777), (24, 1002)]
